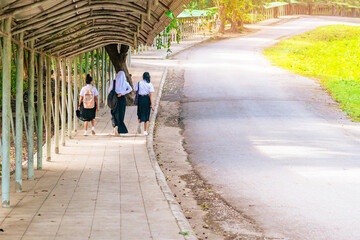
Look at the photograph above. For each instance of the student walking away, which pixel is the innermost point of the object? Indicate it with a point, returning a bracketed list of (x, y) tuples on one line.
[(144, 90), (122, 87), (88, 104)]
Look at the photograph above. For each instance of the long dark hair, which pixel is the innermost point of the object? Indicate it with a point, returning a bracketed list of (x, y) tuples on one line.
[(88, 79), (146, 76)]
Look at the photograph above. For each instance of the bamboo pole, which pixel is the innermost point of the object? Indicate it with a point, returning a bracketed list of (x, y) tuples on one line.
[(98, 74), (86, 63), (31, 114), (106, 76), (57, 105), (92, 66), (148, 10), (70, 108), (75, 92), (40, 113), (103, 65), (48, 109), (81, 76), (6, 91), (63, 101), (19, 121)]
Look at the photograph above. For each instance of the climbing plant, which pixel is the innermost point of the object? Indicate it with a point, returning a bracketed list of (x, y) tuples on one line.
[(173, 26)]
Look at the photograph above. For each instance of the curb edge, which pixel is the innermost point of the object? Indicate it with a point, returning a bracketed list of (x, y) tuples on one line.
[(181, 220)]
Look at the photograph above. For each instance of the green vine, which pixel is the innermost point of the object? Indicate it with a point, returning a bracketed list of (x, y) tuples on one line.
[(174, 25)]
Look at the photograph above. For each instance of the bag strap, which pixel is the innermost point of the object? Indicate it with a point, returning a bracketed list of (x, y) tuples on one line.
[(114, 82)]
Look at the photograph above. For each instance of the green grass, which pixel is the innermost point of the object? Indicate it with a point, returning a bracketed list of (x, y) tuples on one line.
[(330, 54)]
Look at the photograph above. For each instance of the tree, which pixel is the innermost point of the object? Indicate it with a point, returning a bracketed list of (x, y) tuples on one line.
[(233, 11), (118, 59)]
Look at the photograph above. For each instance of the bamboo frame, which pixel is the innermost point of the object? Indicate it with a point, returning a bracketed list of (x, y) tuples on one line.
[(75, 60), (40, 112), (6, 88), (69, 106), (57, 104), (70, 10), (19, 116), (48, 109), (98, 73), (31, 114), (63, 99)]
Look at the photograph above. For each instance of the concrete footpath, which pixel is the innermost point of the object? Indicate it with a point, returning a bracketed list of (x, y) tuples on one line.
[(99, 187)]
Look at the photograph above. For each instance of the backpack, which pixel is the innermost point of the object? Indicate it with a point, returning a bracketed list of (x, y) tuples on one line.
[(136, 101), (89, 101), (112, 98)]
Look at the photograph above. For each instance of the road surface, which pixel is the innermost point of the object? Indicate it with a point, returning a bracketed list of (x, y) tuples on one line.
[(273, 143)]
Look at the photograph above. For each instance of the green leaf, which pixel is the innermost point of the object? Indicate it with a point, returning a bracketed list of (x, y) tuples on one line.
[(170, 14), (184, 233)]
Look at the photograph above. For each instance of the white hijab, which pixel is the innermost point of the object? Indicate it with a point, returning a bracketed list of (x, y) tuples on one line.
[(121, 83)]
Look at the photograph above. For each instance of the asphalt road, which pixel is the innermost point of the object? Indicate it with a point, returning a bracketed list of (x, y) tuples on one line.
[(274, 144)]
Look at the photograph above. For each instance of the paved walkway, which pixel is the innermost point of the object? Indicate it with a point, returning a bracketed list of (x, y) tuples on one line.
[(175, 48), (98, 187)]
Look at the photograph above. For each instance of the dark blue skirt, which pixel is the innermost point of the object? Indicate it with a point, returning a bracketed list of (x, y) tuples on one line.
[(87, 115), (118, 115), (144, 108)]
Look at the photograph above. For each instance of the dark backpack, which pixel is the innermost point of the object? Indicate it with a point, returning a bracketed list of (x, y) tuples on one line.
[(112, 98), (136, 101)]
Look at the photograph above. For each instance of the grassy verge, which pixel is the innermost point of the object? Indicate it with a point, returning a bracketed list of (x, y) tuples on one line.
[(330, 54)]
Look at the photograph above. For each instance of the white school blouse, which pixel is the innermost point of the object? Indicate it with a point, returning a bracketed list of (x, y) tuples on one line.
[(123, 89), (88, 87), (144, 87)]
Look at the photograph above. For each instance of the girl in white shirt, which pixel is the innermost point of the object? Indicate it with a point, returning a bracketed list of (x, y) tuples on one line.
[(122, 87), (88, 114), (145, 101)]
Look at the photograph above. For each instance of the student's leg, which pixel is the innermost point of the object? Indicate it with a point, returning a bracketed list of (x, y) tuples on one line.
[(139, 126), (121, 115), (86, 127), (145, 125), (145, 128), (93, 127)]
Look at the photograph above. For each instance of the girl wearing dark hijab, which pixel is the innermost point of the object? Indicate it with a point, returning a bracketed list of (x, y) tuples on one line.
[(88, 104), (145, 101), (122, 87)]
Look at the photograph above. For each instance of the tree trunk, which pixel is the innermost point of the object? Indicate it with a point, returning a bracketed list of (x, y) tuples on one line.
[(353, 12), (119, 62), (222, 16), (290, 9), (234, 25), (276, 12), (200, 5), (240, 23), (310, 8)]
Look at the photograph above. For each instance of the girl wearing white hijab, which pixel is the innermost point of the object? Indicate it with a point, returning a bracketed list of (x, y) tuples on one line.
[(122, 87)]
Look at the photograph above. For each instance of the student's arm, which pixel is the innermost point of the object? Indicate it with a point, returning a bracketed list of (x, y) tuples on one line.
[(80, 101), (151, 94), (135, 88), (128, 88), (97, 103), (151, 101)]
